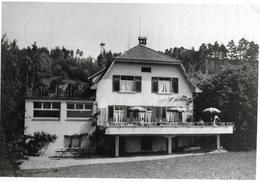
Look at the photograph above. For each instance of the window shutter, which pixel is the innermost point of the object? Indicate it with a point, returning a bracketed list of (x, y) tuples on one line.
[(158, 112), (116, 83), (175, 85), (154, 84), (138, 84), (163, 112), (110, 112)]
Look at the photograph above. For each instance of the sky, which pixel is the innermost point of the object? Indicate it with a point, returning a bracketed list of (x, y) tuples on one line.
[(85, 25)]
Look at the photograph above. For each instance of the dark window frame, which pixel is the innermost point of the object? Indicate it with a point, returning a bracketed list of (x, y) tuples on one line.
[(43, 112), (174, 84), (76, 112), (137, 82)]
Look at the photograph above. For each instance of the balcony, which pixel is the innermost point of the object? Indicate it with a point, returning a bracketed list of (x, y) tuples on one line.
[(169, 128), (153, 120)]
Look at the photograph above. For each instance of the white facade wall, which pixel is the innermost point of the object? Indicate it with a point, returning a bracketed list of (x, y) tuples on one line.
[(105, 96), (59, 127)]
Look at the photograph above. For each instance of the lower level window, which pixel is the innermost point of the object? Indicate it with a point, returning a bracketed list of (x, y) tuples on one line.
[(79, 110), (46, 109), (72, 141)]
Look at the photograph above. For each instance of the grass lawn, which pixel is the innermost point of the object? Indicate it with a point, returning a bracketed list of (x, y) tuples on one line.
[(231, 165)]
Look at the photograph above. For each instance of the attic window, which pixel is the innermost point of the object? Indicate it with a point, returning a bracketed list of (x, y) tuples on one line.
[(146, 69)]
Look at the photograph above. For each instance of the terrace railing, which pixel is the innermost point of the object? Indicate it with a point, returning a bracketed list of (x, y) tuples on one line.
[(171, 124), (46, 92)]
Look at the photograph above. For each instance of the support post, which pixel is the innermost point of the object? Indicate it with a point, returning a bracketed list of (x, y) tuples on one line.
[(169, 144), (116, 146), (218, 142)]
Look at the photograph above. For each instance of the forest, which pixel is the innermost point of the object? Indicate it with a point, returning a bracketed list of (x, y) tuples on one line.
[(227, 75)]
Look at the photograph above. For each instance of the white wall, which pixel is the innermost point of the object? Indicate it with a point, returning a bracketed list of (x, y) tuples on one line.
[(105, 96), (60, 127)]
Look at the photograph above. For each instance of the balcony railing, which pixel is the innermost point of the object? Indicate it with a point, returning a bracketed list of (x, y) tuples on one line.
[(46, 92), (171, 124)]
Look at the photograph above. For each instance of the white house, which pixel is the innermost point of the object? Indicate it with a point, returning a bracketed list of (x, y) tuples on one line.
[(145, 101), (145, 104)]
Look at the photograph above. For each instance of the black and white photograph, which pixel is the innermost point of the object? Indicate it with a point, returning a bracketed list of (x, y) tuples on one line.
[(129, 90)]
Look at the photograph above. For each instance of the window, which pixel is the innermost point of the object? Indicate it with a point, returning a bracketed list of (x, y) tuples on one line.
[(116, 113), (122, 113), (76, 142), (72, 141), (79, 110), (46, 109), (119, 114), (146, 69), (165, 85), (159, 113), (125, 83), (174, 116)]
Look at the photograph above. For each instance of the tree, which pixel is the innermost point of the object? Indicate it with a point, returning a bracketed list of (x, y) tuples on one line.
[(231, 47), (11, 111), (234, 92), (242, 47), (12, 106), (104, 59), (252, 52), (223, 52)]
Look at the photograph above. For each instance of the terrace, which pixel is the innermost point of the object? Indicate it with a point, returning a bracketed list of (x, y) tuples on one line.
[(125, 120), (169, 128)]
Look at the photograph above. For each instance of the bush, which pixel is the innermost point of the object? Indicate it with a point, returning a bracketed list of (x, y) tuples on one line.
[(34, 143)]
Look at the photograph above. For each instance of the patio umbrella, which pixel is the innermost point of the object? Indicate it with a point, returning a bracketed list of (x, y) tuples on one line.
[(137, 108), (174, 108), (212, 111)]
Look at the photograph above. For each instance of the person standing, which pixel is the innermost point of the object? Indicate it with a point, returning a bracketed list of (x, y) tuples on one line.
[(216, 119)]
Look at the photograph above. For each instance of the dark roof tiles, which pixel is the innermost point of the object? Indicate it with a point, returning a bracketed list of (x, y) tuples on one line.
[(145, 54)]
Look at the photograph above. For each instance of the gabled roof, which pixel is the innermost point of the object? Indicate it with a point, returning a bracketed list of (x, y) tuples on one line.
[(144, 53), (97, 73)]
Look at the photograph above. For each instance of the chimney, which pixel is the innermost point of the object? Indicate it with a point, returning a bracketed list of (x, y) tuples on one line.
[(142, 40)]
